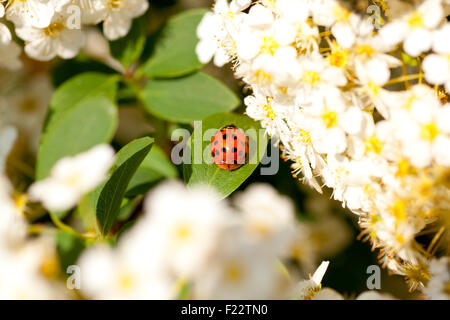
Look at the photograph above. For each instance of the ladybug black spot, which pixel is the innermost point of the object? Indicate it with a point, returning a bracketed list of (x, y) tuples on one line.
[(234, 149), (224, 136), (213, 154), (224, 149), (234, 137)]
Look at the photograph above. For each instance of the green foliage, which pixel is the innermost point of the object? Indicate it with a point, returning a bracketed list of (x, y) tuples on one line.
[(174, 51), (189, 98), (410, 61), (156, 166), (207, 173), (69, 248), (78, 89), (90, 122), (128, 49), (112, 191)]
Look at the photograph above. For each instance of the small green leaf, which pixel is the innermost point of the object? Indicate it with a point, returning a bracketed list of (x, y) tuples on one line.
[(80, 88), (90, 122), (410, 61), (69, 248), (190, 98), (112, 191), (174, 53), (156, 166), (128, 49), (65, 70), (128, 207), (210, 174)]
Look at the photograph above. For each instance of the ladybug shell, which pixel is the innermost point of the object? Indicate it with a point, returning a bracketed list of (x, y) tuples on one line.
[(229, 148)]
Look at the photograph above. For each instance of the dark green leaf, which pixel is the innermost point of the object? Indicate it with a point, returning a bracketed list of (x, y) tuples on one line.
[(90, 122), (156, 166), (111, 192), (190, 98), (207, 172), (69, 248), (174, 53)]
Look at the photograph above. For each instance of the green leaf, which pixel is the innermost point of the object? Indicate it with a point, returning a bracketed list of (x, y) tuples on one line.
[(80, 88), (65, 70), (174, 53), (207, 172), (128, 207), (90, 122), (410, 61), (111, 192), (69, 248), (190, 98), (128, 49), (156, 166)]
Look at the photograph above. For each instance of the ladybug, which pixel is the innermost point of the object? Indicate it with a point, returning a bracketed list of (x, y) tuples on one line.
[(229, 148)]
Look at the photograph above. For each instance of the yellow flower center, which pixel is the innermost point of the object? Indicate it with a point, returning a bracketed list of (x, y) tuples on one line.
[(269, 112), (400, 238), (365, 51), (339, 58), (373, 144), (374, 89), (329, 118), (340, 13), (50, 266), (262, 77), (126, 280), (233, 272), (304, 136), (398, 210), (429, 131), (415, 20), (54, 29), (183, 232), (403, 168), (115, 4), (269, 45), (311, 77)]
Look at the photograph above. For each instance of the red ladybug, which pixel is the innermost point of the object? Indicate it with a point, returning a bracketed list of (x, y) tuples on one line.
[(229, 148)]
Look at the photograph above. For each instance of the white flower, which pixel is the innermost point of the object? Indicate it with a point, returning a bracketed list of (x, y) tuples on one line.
[(267, 216), (23, 272), (238, 270), (415, 28), (13, 226), (423, 128), (437, 286), (123, 273), (56, 39), (328, 121), (185, 223), (33, 13), (72, 177), (116, 15), (211, 33), (307, 289), (437, 65)]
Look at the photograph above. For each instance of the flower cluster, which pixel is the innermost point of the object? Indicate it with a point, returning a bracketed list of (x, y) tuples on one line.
[(188, 240), (254, 247), (360, 110), (28, 267), (53, 28)]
